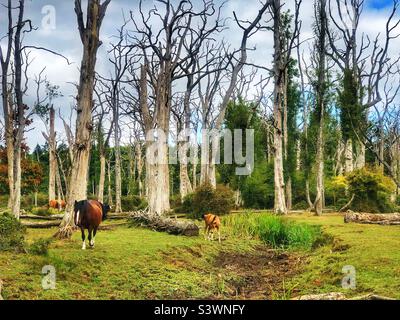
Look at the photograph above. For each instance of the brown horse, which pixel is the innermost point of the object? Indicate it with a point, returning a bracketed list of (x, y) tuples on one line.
[(88, 214), (57, 204)]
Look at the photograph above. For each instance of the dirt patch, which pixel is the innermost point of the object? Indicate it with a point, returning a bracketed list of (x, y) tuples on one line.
[(260, 274)]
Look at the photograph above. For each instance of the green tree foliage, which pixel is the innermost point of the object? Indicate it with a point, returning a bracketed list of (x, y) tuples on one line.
[(352, 115)]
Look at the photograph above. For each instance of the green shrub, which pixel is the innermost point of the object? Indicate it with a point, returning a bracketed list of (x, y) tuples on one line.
[(186, 205), (258, 188), (12, 233), (44, 211), (336, 190), (28, 200), (40, 247), (205, 199), (372, 190), (302, 205), (275, 231), (132, 203), (175, 201)]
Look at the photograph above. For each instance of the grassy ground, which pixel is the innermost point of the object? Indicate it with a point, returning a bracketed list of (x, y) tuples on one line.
[(372, 249), (135, 263)]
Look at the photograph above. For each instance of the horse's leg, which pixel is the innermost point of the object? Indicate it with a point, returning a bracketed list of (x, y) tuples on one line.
[(219, 235), (90, 237), (83, 238), (94, 235)]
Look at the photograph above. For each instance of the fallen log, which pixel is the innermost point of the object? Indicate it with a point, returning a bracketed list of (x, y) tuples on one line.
[(50, 224), (372, 218), (36, 217), (117, 216), (322, 296), (41, 225), (164, 224), (340, 296)]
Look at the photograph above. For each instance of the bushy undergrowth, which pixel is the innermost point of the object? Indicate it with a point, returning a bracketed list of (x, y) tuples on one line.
[(44, 211), (205, 199), (372, 190), (133, 203), (275, 231), (40, 247), (12, 233)]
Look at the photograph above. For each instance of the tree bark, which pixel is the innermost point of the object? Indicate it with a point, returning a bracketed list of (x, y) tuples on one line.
[(102, 177), (279, 183), (84, 127), (52, 157), (117, 166), (321, 19), (109, 193), (368, 218), (139, 164), (159, 223), (348, 156)]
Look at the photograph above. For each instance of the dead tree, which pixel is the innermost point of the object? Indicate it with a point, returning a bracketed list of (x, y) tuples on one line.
[(365, 70), (280, 64), (5, 59), (17, 114), (89, 34), (103, 138), (44, 108), (163, 53), (321, 25)]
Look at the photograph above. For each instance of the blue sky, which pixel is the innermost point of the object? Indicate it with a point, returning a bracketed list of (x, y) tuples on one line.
[(378, 4)]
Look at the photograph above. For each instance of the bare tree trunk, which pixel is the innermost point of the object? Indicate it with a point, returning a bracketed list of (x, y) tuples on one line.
[(139, 165), (348, 156), (288, 186), (84, 127), (102, 177), (6, 95), (52, 157), (194, 173), (360, 156), (321, 19), (185, 186), (60, 193), (117, 166), (279, 183), (162, 177), (16, 205), (109, 197)]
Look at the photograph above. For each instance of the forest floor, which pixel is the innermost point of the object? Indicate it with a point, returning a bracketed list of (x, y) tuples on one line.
[(136, 263)]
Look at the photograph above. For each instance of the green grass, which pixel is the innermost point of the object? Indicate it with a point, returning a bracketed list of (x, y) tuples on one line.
[(136, 263), (127, 263), (274, 230), (372, 249)]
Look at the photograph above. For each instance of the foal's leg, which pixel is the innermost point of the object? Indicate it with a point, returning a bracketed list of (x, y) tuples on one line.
[(83, 239), (206, 232)]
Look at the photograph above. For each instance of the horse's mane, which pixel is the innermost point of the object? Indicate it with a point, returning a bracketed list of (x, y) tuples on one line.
[(79, 204)]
